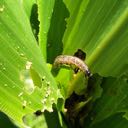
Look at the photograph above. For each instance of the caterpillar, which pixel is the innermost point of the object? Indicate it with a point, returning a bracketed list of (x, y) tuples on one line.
[(72, 60)]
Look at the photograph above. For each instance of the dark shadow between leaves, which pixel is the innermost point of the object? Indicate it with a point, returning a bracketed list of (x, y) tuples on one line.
[(56, 31), (52, 119), (5, 122), (34, 21)]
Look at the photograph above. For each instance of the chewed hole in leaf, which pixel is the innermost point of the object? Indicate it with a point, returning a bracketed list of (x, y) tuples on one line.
[(2, 66), (31, 78), (2, 7), (25, 77), (80, 54), (20, 94)]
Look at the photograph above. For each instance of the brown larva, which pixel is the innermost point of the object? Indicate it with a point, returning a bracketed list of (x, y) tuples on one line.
[(72, 60)]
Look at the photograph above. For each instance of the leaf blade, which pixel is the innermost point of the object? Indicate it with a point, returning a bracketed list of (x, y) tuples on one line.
[(18, 47), (100, 27)]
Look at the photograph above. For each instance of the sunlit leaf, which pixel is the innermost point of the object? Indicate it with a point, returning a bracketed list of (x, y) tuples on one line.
[(45, 9), (100, 29), (18, 53)]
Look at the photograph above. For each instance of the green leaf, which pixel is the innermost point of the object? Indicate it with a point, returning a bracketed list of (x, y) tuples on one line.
[(112, 100), (115, 121), (45, 120), (56, 30), (35, 121), (94, 86), (100, 29), (28, 6), (18, 54), (45, 9)]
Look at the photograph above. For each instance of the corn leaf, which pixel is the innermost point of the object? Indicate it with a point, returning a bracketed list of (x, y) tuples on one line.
[(19, 54), (100, 29), (45, 9)]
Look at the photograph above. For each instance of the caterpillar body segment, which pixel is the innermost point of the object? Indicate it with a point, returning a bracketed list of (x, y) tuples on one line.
[(72, 60)]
